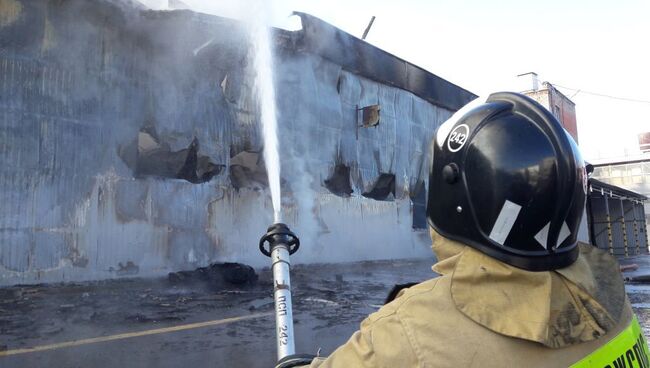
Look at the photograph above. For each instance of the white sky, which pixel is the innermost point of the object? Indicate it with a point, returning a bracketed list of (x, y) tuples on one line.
[(593, 45)]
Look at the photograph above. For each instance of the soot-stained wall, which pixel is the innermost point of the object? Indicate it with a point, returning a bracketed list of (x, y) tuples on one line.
[(130, 145)]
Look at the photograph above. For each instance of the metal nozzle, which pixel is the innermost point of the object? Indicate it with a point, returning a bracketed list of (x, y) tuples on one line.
[(282, 243), (279, 235)]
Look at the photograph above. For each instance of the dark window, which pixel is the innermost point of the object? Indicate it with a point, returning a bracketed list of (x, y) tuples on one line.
[(370, 116)]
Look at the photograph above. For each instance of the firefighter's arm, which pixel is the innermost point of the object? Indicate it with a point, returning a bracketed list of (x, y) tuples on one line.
[(382, 341)]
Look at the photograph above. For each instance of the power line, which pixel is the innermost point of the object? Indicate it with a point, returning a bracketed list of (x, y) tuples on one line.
[(602, 95)]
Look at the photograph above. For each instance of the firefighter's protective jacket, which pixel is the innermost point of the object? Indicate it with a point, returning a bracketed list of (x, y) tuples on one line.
[(481, 312)]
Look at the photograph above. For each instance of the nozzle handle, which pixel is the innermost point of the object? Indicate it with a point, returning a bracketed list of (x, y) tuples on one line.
[(279, 233)]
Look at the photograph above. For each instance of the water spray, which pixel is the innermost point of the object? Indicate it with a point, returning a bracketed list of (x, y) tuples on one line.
[(265, 93), (279, 243)]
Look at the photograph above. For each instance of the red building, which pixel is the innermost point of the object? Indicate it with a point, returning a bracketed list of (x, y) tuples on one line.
[(555, 101)]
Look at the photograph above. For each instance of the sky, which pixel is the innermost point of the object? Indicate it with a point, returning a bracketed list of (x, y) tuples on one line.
[(589, 46)]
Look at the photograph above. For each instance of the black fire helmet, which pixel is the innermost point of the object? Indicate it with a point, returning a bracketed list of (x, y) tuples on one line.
[(509, 181)]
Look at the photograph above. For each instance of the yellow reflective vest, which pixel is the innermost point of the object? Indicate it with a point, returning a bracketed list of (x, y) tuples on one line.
[(481, 312), (628, 349)]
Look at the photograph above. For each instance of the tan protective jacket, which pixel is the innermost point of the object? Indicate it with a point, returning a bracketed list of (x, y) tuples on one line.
[(484, 313)]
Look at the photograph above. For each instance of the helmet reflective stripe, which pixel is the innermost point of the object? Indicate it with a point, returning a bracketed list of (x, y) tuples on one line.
[(505, 221), (542, 235), (446, 127), (627, 349)]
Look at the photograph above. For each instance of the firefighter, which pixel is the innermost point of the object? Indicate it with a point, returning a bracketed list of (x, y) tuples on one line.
[(507, 191)]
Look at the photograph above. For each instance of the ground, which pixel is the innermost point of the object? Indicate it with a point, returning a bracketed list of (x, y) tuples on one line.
[(153, 322)]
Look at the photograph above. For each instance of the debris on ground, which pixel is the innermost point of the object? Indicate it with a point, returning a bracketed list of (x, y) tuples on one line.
[(640, 279), (217, 274)]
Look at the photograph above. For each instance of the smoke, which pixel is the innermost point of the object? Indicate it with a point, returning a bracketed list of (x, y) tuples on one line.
[(303, 192), (275, 13)]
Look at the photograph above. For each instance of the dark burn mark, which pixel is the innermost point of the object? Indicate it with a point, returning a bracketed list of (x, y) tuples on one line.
[(419, 200), (383, 187), (339, 182)]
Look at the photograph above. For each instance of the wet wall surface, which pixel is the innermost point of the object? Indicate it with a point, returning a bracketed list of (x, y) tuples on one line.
[(130, 144), (329, 303)]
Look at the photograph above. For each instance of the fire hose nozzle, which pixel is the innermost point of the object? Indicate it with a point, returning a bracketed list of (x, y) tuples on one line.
[(281, 244), (279, 235)]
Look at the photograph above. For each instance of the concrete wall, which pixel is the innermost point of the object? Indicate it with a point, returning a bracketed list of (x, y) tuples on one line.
[(129, 145)]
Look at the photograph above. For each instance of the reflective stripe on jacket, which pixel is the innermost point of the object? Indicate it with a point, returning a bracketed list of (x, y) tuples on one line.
[(628, 349), (483, 313)]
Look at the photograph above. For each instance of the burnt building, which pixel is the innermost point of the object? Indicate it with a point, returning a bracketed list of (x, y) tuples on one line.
[(130, 142)]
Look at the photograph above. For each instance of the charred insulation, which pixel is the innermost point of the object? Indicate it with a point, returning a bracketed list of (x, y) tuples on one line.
[(382, 188), (339, 182), (149, 155)]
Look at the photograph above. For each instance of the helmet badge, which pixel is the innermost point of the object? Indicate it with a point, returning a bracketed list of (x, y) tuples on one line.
[(458, 137)]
